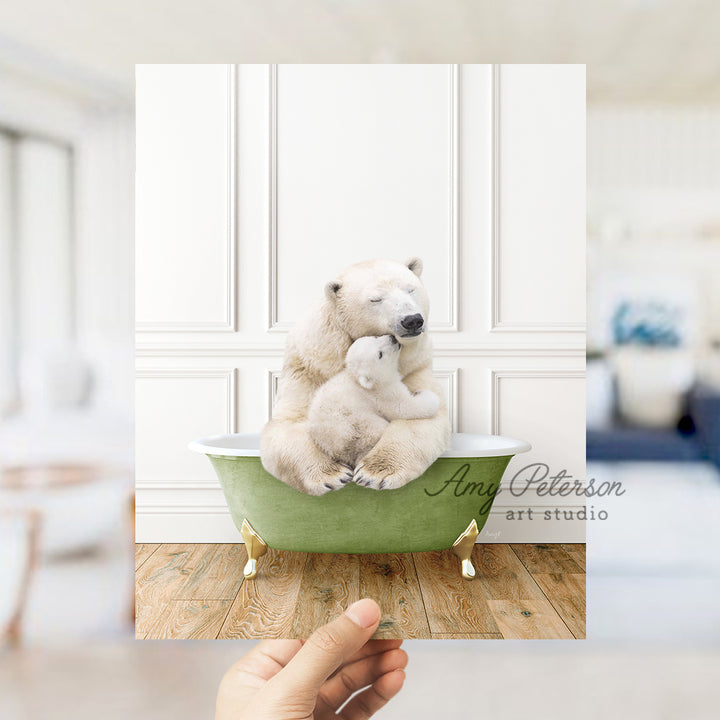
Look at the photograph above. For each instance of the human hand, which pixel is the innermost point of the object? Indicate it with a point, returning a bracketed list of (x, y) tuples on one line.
[(296, 680)]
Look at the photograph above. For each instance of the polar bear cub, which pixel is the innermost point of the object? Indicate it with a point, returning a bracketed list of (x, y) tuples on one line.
[(351, 410)]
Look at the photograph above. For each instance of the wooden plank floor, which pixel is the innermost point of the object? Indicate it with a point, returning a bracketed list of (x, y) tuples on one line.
[(520, 591)]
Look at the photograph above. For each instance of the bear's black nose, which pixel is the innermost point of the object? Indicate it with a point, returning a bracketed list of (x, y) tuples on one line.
[(412, 323)]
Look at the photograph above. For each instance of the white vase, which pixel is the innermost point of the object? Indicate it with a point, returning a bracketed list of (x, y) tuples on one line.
[(598, 395), (652, 383)]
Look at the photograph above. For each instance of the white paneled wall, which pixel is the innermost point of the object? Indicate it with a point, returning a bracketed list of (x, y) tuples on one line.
[(185, 227), (257, 183), (358, 164), (540, 136)]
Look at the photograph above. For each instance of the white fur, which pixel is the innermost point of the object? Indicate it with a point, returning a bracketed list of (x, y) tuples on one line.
[(351, 410), (315, 352)]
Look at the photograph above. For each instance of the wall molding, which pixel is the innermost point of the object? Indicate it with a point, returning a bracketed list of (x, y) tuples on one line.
[(271, 381), (145, 350), (452, 323), (227, 374), (485, 350), (278, 350), (539, 327), (497, 375), (166, 508), (274, 324), (497, 324), (178, 485), (451, 375), (229, 324)]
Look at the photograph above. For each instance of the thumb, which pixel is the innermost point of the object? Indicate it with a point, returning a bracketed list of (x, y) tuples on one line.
[(328, 648)]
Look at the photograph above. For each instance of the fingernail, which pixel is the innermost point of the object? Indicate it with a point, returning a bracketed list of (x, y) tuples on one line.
[(364, 612)]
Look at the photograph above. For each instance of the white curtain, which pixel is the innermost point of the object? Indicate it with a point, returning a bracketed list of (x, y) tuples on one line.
[(8, 339), (37, 269)]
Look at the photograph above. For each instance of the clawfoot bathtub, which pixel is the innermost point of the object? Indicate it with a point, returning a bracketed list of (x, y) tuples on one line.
[(447, 506)]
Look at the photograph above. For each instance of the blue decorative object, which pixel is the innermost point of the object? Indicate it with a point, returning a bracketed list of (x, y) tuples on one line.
[(649, 323)]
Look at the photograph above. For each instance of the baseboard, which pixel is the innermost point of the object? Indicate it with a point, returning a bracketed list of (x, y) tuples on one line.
[(165, 525), (500, 529)]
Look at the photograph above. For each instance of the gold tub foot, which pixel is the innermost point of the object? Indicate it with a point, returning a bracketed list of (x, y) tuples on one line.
[(255, 547), (463, 546)]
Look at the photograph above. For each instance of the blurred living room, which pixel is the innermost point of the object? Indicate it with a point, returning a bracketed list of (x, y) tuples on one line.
[(67, 334)]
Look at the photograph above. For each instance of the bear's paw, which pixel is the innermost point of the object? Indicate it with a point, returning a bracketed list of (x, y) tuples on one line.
[(331, 476), (379, 477)]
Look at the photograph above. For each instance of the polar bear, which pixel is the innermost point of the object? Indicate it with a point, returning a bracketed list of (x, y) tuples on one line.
[(351, 410), (376, 297)]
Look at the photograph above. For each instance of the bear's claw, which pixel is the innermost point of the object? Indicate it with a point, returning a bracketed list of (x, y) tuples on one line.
[(349, 474), (368, 481), (388, 482), (328, 479)]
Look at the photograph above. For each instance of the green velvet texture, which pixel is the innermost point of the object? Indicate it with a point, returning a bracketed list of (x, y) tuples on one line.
[(429, 513)]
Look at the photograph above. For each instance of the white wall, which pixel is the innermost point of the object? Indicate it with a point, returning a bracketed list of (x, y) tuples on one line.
[(255, 184)]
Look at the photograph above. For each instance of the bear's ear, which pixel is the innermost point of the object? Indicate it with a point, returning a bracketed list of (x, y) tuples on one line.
[(416, 265), (332, 289), (366, 382)]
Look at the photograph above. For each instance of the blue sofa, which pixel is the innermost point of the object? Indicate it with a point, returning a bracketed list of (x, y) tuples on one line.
[(696, 438)]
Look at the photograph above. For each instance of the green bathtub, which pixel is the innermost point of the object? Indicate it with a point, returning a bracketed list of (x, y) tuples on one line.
[(446, 506)]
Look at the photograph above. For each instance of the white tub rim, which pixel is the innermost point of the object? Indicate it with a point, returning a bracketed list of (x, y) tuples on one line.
[(462, 445)]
